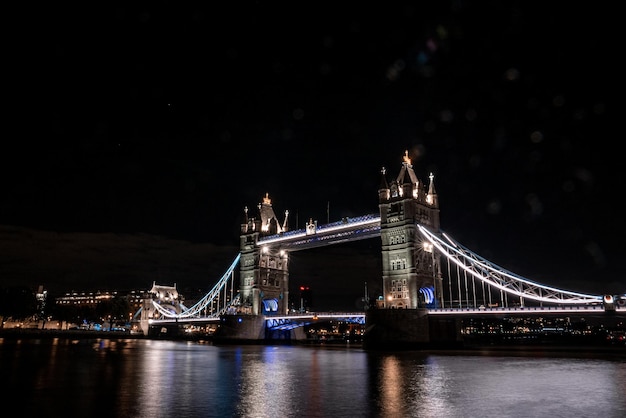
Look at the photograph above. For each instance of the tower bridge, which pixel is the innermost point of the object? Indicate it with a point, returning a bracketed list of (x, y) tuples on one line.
[(426, 274)]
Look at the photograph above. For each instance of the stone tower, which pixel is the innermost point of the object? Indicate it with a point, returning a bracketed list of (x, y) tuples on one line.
[(411, 266), (264, 272)]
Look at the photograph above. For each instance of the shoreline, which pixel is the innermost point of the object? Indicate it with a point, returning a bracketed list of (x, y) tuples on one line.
[(578, 350), (70, 333)]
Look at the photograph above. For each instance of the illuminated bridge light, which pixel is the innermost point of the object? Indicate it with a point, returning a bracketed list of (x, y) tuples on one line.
[(429, 294)]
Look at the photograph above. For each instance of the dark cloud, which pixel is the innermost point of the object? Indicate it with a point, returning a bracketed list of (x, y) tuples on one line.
[(63, 261)]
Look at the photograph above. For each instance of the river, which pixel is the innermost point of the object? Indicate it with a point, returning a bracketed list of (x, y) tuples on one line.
[(159, 378)]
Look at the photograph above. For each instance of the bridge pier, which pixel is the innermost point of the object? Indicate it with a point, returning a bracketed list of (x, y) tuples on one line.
[(410, 329), (251, 329), (165, 331)]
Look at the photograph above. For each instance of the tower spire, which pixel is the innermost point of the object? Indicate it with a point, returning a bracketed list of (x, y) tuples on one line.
[(269, 221), (406, 159), (383, 188), (431, 197)]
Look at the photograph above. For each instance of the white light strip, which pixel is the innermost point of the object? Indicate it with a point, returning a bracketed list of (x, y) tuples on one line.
[(439, 244), (494, 267), (525, 309)]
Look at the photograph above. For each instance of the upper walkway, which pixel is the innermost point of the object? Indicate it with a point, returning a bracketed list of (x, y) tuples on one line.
[(313, 236)]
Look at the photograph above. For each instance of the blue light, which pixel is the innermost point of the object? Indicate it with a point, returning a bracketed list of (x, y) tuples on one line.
[(270, 305), (429, 294)]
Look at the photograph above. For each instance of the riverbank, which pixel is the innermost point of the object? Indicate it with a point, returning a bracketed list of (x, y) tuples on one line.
[(474, 347), (70, 333)]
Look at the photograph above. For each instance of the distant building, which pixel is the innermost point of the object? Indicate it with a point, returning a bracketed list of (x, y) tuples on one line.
[(41, 296), (92, 299)]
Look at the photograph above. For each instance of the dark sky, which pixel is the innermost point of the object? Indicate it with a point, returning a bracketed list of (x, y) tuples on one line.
[(136, 133)]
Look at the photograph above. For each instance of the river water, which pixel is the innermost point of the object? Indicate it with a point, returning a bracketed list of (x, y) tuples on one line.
[(157, 378)]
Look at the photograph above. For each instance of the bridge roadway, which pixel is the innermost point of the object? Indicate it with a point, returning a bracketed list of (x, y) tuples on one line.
[(282, 322), (295, 320)]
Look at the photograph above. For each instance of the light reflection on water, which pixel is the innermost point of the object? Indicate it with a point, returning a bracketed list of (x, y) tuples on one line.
[(150, 378)]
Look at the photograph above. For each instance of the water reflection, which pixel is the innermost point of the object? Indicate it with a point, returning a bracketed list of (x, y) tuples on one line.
[(286, 381), (149, 378), (390, 378), (409, 385), (420, 385)]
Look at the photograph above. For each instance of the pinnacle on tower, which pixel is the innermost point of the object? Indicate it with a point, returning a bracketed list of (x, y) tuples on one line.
[(383, 188), (431, 197)]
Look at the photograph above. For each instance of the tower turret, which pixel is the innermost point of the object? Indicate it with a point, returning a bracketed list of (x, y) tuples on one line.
[(269, 221)]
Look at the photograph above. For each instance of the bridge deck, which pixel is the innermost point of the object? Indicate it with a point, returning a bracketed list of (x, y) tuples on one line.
[(356, 316)]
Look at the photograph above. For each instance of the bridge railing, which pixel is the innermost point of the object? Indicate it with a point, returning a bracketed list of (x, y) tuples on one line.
[(520, 309)]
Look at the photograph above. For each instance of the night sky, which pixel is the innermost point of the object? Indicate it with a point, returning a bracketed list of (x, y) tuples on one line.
[(135, 134)]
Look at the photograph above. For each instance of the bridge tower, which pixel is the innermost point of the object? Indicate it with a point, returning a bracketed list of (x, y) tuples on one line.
[(166, 296), (264, 272), (411, 266)]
